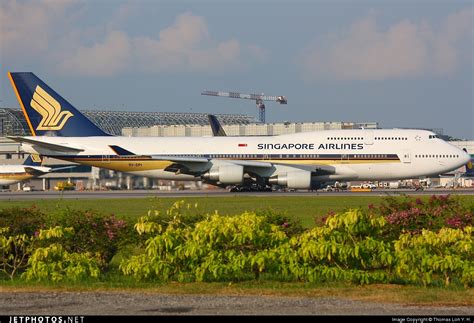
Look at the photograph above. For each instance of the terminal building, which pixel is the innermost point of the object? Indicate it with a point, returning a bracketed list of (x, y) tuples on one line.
[(159, 124), (13, 123)]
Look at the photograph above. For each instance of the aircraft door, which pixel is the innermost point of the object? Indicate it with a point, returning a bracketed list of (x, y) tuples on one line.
[(345, 158), (369, 137), (406, 157), (106, 159)]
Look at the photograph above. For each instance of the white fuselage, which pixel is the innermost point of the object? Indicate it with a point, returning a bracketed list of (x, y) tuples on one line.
[(354, 154), (11, 174)]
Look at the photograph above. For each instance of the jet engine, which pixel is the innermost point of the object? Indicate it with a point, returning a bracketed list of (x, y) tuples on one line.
[(226, 174), (293, 179)]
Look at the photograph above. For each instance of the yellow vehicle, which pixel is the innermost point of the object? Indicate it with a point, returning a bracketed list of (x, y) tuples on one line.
[(64, 186)]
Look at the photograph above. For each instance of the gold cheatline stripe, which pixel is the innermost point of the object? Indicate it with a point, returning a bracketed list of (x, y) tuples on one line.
[(21, 104)]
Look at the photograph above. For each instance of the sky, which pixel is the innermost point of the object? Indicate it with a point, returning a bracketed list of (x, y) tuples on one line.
[(399, 63)]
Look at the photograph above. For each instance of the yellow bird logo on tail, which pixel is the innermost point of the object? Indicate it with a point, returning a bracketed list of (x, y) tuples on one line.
[(36, 158), (50, 110)]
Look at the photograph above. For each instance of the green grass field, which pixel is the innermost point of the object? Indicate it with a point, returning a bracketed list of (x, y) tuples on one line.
[(307, 209)]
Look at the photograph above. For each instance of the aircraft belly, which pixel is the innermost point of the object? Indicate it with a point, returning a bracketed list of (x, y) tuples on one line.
[(149, 168), (387, 172), (315, 162), (161, 174)]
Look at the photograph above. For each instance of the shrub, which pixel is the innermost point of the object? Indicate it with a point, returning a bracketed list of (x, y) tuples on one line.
[(248, 245), (413, 215), (447, 254), (348, 247), (93, 233), (15, 250), (54, 263), (22, 220), (217, 248), (291, 226), (351, 246), (178, 215), (18, 227)]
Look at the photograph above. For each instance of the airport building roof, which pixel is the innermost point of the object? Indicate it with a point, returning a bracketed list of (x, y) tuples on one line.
[(12, 121)]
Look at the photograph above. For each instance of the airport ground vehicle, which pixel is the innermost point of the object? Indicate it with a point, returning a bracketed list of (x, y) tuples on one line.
[(64, 186), (369, 185)]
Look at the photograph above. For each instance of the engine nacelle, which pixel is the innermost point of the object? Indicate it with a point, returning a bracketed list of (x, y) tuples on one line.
[(293, 179), (226, 174)]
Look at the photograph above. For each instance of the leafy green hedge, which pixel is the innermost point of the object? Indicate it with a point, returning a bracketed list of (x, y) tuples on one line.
[(55, 263), (184, 245), (351, 246)]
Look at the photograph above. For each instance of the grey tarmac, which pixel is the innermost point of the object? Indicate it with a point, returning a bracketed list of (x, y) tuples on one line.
[(142, 303), (16, 195)]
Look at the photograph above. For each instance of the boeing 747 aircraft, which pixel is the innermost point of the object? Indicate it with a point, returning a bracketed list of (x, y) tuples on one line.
[(300, 161)]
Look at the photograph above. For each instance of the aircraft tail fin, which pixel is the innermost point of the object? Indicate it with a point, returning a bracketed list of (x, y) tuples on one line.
[(46, 112), (33, 160), (217, 129), (121, 151), (469, 166)]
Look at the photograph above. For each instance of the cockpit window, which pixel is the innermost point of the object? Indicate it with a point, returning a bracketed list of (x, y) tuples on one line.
[(434, 136)]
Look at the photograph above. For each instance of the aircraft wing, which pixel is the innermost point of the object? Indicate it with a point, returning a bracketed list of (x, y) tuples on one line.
[(187, 164), (197, 165), (45, 145), (181, 159), (206, 160), (36, 171)]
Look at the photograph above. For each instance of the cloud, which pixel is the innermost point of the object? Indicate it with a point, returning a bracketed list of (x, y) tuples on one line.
[(43, 32), (123, 14), (26, 27), (102, 59), (187, 46), (405, 49)]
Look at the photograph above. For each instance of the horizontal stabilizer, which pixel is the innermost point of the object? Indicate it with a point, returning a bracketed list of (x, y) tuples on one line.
[(45, 145), (34, 171)]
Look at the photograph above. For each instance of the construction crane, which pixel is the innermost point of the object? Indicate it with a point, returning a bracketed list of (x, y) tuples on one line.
[(259, 98)]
